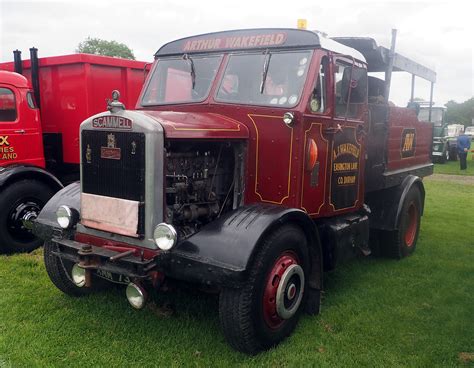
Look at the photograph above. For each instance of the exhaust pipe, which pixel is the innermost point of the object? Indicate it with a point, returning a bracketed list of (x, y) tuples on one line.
[(35, 74), (17, 62)]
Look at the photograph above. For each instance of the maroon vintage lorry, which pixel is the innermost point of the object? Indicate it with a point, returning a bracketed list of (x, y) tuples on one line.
[(254, 160)]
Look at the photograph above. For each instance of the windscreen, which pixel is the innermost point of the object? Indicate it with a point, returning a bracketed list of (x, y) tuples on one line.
[(268, 79), (436, 115), (181, 80)]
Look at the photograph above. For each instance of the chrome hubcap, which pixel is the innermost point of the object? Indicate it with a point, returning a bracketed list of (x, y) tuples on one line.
[(290, 291)]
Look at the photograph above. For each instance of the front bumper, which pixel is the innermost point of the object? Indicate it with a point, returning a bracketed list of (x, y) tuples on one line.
[(131, 264), (98, 258)]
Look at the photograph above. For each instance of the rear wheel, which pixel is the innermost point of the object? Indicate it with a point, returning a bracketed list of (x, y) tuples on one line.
[(20, 204), (266, 309), (402, 242)]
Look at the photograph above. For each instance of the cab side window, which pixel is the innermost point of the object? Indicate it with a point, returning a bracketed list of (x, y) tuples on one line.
[(318, 101), (7, 105), (350, 89)]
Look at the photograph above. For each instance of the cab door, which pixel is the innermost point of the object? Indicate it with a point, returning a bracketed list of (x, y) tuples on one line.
[(316, 138), (20, 130), (347, 153)]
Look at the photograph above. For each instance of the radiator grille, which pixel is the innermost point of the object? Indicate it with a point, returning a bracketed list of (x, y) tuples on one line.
[(122, 174)]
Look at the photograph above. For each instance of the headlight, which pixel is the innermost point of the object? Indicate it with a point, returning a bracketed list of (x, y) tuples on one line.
[(165, 236), (66, 217)]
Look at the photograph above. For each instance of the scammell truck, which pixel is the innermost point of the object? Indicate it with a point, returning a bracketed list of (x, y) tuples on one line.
[(42, 103), (253, 161)]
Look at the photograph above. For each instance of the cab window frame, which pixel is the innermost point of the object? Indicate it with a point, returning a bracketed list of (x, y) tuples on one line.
[(325, 90), (14, 117), (354, 107)]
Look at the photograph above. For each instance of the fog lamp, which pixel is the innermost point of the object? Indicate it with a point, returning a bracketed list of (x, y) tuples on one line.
[(165, 236), (136, 295), (66, 217), (78, 275)]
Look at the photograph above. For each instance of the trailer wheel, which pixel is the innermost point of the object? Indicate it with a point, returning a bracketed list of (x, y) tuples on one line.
[(59, 272), (402, 242), (20, 204), (266, 309)]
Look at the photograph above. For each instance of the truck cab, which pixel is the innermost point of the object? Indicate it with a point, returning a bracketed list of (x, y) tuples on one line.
[(20, 124), (254, 160)]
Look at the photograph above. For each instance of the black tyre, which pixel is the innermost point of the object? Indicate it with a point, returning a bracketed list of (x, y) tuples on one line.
[(402, 242), (59, 271), (266, 309), (444, 157), (20, 204)]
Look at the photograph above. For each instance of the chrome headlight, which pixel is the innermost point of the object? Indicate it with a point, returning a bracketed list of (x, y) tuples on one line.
[(78, 275), (64, 216), (165, 236)]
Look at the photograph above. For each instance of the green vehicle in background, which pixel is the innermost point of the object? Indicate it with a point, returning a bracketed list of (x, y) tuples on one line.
[(444, 135)]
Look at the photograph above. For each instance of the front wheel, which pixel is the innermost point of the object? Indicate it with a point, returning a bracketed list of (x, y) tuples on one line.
[(266, 309), (20, 204), (59, 271)]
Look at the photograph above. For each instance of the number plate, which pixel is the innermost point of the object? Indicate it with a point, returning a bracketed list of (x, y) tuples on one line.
[(113, 277)]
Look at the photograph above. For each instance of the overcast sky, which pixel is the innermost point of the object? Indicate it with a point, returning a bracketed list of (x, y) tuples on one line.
[(437, 34)]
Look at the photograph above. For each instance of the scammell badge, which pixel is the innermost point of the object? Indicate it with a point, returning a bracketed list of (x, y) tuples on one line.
[(110, 140), (134, 148)]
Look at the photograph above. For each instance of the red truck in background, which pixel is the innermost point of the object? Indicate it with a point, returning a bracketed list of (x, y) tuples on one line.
[(42, 103)]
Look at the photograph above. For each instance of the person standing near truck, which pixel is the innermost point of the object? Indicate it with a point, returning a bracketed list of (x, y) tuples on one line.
[(463, 144)]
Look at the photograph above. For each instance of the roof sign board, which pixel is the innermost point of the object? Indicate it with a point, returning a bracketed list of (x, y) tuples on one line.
[(241, 40)]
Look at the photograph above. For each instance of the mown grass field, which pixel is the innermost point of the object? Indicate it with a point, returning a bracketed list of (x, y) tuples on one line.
[(418, 312), (452, 167)]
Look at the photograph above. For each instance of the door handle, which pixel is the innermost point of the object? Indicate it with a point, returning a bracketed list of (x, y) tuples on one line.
[(21, 131)]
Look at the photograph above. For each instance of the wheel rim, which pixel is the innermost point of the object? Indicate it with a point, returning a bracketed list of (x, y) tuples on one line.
[(283, 290), (20, 219), (410, 233)]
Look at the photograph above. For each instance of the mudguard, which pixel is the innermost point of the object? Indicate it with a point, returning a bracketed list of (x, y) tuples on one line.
[(386, 205), (13, 173), (46, 221), (228, 245)]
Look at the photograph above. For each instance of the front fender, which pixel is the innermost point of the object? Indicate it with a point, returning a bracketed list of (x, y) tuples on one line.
[(10, 174), (230, 243), (46, 221)]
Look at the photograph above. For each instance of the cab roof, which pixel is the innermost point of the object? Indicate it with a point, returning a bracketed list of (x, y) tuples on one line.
[(254, 39), (13, 79)]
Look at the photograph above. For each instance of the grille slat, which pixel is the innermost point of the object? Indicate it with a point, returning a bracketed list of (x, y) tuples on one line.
[(118, 178)]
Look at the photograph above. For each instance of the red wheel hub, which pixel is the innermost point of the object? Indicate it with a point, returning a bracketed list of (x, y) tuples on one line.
[(410, 232), (274, 277)]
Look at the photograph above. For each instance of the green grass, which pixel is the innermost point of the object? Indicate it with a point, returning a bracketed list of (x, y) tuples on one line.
[(452, 167), (418, 312)]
